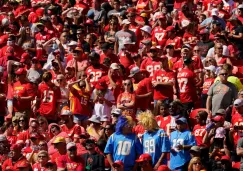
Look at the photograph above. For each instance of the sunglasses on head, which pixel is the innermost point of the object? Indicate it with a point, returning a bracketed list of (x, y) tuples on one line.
[(72, 149)]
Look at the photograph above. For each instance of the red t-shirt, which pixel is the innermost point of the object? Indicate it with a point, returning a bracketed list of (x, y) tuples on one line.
[(150, 65), (73, 132), (164, 123), (143, 87), (113, 58), (48, 100), (186, 82), (196, 64), (96, 72), (18, 51), (23, 90), (199, 132), (207, 84), (164, 92), (37, 166), (159, 36), (8, 164), (65, 162), (176, 42), (237, 120)]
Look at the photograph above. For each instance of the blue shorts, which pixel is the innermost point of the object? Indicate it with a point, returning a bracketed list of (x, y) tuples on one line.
[(78, 117)]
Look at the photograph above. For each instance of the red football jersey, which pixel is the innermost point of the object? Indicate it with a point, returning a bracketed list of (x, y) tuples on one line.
[(207, 84), (159, 35), (164, 123), (237, 120), (164, 92), (196, 64), (176, 42), (65, 162), (150, 65), (96, 72), (186, 83), (199, 132), (48, 100), (73, 132)]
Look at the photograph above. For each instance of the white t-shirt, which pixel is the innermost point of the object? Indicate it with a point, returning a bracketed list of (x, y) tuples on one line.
[(225, 51)]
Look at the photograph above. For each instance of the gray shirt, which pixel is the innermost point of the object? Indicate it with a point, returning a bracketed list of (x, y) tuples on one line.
[(222, 95), (122, 36)]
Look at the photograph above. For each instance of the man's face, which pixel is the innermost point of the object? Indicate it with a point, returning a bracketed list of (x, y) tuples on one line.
[(72, 152), (184, 54), (153, 53), (34, 127), (131, 17), (65, 118), (223, 75)]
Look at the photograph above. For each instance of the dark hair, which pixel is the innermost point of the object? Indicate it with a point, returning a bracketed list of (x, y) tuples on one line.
[(47, 77), (203, 114), (101, 143)]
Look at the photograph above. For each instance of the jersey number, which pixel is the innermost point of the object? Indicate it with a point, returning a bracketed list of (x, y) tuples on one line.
[(182, 84), (152, 68), (83, 101), (149, 146), (48, 96), (159, 36), (96, 76), (124, 148)]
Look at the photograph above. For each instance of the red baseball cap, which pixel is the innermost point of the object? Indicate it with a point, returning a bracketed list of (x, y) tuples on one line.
[(23, 164), (144, 157), (218, 118), (163, 168), (225, 158), (118, 163), (21, 71), (9, 51), (24, 57)]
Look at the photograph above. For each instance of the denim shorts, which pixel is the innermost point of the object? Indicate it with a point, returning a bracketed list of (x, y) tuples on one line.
[(78, 117)]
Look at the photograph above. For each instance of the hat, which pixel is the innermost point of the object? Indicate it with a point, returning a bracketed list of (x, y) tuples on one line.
[(126, 21), (217, 2), (94, 55), (218, 118), (144, 157), (116, 111), (66, 111), (134, 71), (1, 69), (9, 51), (225, 158), (170, 28), (143, 14), (169, 46), (187, 60), (221, 111), (181, 120), (2, 138), (131, 10), (118, 163), (215, 12), (21, 71), (5, 22), (210, 68), (240, 6), (78, 49), (59, 140), (216, 22), (195, 149), (163, 168), (128, 42), (114, 66), (204, 31), (39, 24), (23, 163), (147, 29), (72, 43), (101, 85), (95, 119), (24, 57), (89, 22), (70, 145), (238, 102), (220, 132)]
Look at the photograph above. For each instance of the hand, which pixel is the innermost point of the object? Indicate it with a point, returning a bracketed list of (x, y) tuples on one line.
[(179, 147)]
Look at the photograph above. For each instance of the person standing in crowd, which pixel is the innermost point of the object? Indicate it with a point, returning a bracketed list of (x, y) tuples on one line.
[(221, 94), (123, 144)]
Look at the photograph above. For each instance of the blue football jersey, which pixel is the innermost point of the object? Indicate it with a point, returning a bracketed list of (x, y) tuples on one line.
[(156, 143), (179, 158), (125, 148)]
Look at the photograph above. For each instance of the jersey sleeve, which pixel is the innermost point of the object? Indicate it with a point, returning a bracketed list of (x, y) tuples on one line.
[(110, 145), (30, 90), (149, 85)]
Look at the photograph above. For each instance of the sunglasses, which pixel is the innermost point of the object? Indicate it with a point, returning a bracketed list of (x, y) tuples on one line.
[(21, 120), (72, 149), (59, 80), (41, 123), (82, 86), (224, 74), (130, 16), (84, 75), (42, 156), (196, 50), (209, 61), (198, 163), (219, 48)]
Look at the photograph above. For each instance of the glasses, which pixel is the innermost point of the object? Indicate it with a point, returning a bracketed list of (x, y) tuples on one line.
[(42, 156), (42, 145), (220, 48), (209, 61), (197, 163), (16, 121), (84, 75), (21, 120), (127, 84), (82, 86), (72, 149), (59, 80)]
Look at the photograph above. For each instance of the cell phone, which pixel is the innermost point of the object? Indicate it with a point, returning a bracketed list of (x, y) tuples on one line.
[(210, 126)]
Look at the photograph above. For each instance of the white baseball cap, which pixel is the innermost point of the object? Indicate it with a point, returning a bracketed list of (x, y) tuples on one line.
[(114, 66), (215, 12), (126, 21), (147, 29), (210, 68), (240, 6), (134, 71)]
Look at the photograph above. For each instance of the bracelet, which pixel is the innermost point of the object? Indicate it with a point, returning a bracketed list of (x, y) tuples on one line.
[(183, 147)]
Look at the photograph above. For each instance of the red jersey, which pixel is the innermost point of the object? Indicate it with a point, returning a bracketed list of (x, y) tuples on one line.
[(23, 90), (159, 36), (196, 64), (48, 100), (73, 132), (150, 65), (3, 90), (113, 58), (65, 162), (143, 87), (96, 72), (79, 102), (199, 132), (38, 167), (237, 120), (40, 39), (9, 165), (125, 60), (207, 84), (164, 123), (18, 51), (186, 83), (164, 92), (176, 42)]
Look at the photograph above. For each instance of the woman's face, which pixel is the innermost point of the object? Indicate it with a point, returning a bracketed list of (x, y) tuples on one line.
[(42, 158), (55, 130), (43, 125), (219, 50), (127, 84), (22, 122), (42, 146), (108, 130), (163, 110), (196, 166), (61, 82)]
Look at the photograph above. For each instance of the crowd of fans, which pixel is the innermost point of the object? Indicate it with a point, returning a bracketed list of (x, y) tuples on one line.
[(121, 85)]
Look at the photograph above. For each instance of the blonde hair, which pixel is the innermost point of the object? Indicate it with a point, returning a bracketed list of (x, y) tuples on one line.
[(43, 152), (147, 120), (192, 161)]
